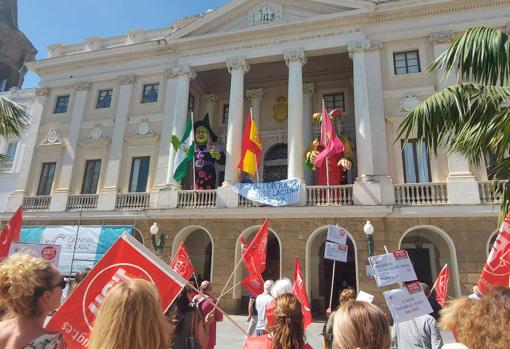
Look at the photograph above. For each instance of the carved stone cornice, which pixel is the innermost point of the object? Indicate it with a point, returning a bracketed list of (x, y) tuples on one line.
[(358, 46), (211, 99), (181, 70), (441, 37), (126, 79), (309, 88), (81, 85), (240, 62), (41, 91), (254, 93), (294, 55)]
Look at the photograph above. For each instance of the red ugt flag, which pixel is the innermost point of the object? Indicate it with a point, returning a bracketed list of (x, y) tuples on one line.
[(255, 254), (300, 292), (181, 262), (441, 285), (10, 233), (254, 284)]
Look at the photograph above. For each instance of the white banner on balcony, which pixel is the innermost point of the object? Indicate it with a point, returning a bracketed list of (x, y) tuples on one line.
[(281, 193)]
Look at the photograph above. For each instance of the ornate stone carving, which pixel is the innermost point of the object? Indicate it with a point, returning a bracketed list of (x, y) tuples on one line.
[(309, 88), (441, 37), (144, 128), (126, 79), (363, 46), (181, 70), (295, 55), (265, 13), (409, 102), (237, 63), (53, 137), (254, 93), (96, 133), (81, 85), (41, 91), (280, 109), (211, 99)]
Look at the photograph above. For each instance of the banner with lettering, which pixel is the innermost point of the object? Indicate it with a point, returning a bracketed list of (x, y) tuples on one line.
[(280, 193)]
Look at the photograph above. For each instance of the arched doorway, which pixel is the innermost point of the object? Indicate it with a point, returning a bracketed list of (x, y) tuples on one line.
[(200, 246), (319, 272), (275, 163), (430, 248)]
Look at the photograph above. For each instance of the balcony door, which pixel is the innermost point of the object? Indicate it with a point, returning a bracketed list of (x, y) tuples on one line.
[(46, 178), (139, 174), (91, 177)]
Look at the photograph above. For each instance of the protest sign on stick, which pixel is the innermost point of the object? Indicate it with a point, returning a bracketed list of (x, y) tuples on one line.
[(49, 252), (337, 234), (365, 297), (392, 268), (335, 252), (408, 302)]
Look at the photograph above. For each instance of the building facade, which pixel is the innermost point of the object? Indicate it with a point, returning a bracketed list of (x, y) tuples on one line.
[(106, 108)]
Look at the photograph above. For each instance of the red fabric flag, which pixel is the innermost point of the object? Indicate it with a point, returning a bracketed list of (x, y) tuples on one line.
[(332, 144), (300, 292), (251, 269), (496, 272), (251, 154), (181, 262), (11, 233), (254, 284), (441, 285), (255, 254)]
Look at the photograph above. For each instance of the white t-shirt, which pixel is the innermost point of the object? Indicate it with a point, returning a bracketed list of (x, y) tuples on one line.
[(260, 304)]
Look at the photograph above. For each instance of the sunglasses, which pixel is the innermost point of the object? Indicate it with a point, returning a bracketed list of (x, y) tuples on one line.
[(62, 284)]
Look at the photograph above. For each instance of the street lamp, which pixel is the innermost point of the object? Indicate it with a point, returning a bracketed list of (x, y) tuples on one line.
[(158, 244), (368, 229)]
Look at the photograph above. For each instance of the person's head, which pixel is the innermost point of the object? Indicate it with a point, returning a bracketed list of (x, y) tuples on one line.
[(268, 284), (346, 295), (480, 323), (281, 287), (431, 297), (29, 286), (206, 287), (130, 317), (78, 278), (287, 331), (360, 325)]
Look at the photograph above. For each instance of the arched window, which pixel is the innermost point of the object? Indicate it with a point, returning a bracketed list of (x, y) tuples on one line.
[(275, 163)]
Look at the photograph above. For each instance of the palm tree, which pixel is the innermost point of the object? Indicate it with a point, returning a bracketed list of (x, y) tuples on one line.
[(472, 117), (13, 120)]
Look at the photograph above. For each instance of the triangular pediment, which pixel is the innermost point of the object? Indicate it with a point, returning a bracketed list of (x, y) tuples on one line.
[(240, 15)]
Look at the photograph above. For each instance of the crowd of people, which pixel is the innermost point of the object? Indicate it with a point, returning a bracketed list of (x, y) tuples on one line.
[(131, 317)]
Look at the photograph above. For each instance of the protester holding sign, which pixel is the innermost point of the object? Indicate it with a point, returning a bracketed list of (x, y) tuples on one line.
[(31, 289), (130, 317)]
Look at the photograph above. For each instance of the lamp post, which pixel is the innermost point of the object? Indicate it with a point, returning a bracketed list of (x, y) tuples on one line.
[(368, 229), (158, 244)]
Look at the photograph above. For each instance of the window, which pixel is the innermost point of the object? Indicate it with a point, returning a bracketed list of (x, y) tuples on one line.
[(406, 62), (150, 93), (46, 179), (91, 176), (335, 101), (416, 162), (61, 104), (11, 150), (224, 119), (139, 174), (104, 99), (191, 104)]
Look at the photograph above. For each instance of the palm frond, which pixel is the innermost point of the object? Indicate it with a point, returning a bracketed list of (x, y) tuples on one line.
[(481, 55), (13, 118)]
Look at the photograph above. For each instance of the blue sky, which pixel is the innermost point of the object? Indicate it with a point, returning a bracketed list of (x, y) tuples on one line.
[(47, 22)]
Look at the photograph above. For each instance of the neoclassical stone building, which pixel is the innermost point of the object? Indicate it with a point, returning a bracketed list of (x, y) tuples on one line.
[(106, 108)]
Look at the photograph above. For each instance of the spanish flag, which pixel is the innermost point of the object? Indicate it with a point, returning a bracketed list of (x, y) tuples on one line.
[(252, 148)]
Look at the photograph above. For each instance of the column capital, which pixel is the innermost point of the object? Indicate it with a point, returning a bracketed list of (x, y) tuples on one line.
[(81, 85), (358, 46), (309, 88), (254, 93), (211, 99), (181, 70), (126, 79), (237, 63), (41, 91), (441, 37), (293, 55)]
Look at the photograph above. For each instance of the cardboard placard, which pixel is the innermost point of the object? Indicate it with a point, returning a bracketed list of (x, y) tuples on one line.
[(365, 297), (335, 252), (46, 251), (408, 302), (392, 268), (337, 234)]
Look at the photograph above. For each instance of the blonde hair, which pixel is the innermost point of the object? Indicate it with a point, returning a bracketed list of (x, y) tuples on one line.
[(287, 331), (23, 280), (346, 295), (130, 317), (360, 325)]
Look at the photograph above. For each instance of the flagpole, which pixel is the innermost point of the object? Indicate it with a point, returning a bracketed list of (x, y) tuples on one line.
[(332, 284), (230, 277), (193, 159)]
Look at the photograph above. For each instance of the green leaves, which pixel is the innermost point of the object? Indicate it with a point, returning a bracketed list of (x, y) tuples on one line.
[(13, 118)]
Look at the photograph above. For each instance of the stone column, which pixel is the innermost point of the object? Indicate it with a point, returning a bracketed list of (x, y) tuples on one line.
[(255, 97), (373, 186), (461, 183), (237, 67), (210, 103), (106, 199), (308, 93), (59, 197), (295, 60)]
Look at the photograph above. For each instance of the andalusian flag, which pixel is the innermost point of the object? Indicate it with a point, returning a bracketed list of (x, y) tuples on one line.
[(252, 148), (185, 153)]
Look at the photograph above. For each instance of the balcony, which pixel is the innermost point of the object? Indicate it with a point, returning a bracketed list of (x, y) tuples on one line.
[(247, 203), (487, 196), (196, 199), (39, 203), (132, 201), (421, 194), (6, 166), (82, 202), (334, 195)]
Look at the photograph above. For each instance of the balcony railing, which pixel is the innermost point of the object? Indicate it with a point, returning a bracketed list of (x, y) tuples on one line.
[(333, 195), (82, 202), (196, 199), (132, 201), (36, 203), (246, 203), (418, 194), (6, 166), (487, 195)]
